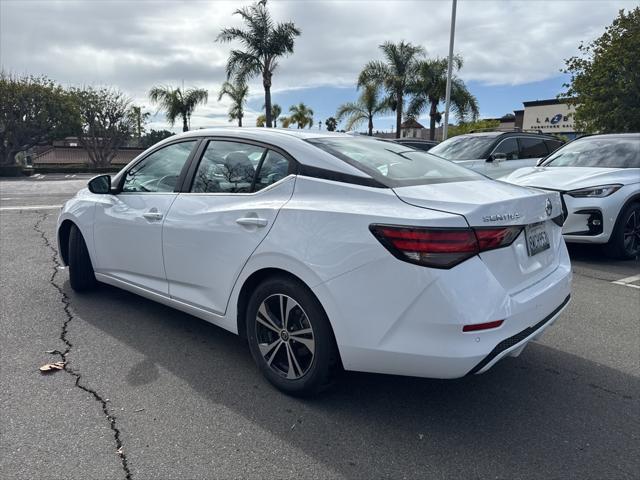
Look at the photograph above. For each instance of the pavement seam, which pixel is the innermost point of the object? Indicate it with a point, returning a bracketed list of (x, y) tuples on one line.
[(66, 301)]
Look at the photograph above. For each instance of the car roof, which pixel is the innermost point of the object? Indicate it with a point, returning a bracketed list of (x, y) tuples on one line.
[(414, 140), (612, 135), (497, 133), (262, 132)]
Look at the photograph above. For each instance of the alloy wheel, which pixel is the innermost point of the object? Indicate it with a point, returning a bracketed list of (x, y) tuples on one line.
[(285, 336), (631, 233)]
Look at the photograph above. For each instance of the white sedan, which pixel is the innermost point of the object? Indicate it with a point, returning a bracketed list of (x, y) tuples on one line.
[(326, 251), (599, 179)]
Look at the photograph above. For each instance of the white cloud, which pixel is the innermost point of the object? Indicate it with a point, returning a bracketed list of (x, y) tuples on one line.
[(134, 45)]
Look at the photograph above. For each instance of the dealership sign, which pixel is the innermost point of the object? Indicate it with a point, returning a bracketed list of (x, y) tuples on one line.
[(549, 118)]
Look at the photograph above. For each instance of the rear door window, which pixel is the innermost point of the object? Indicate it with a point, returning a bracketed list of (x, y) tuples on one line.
[(532, 147), (274, 168), (227, 167)]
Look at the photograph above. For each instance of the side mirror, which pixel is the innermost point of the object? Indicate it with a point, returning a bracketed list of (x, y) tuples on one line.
[(499, 157), (100, 184)]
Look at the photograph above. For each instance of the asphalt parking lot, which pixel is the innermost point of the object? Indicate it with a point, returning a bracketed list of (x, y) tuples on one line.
[(154, 393)]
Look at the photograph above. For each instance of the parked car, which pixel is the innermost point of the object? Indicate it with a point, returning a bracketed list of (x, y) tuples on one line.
[(417, 143), (326, 251), (599, 179), (496, 154)]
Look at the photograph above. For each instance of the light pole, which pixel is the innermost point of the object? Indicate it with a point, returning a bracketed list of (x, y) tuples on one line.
[(447, 101)]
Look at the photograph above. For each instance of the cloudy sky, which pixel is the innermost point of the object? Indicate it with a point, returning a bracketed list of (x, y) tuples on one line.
[(513, 50)]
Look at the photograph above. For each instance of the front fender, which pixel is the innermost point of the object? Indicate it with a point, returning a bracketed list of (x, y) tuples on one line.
[(80, 211)]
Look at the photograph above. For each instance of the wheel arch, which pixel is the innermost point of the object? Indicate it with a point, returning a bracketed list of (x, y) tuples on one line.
[(250, 283), (634, 198), (64, 230)]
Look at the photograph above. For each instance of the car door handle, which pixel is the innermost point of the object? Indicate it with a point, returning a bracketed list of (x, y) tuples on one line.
[(152, 215), (252, 222)]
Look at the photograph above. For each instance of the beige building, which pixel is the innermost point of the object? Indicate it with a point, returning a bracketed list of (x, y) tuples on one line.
[(549, 116)]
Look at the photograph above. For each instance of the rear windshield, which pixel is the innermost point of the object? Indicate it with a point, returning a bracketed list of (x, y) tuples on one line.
[(394, 165), (464, 147), (605, 152)]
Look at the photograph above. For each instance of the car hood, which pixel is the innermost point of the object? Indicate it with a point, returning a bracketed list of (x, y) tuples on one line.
[(571, 178)]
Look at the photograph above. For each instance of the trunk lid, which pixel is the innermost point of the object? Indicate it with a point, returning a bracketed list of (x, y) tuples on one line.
[(490, 203)]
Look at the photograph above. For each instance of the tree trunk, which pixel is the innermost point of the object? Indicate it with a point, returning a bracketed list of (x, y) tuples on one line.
[(8, 159), (399, 114), (432, 120), (266, 82), (240, 120), (185, 125), (370, 125)]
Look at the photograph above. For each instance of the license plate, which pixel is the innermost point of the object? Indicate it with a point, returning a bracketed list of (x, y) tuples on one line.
[(537, 238)]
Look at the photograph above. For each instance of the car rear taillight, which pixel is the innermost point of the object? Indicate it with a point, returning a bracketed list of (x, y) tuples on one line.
[(490, 238), (441, 247)]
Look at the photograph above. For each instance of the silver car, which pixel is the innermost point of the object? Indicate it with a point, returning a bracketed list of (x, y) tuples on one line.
[(496, 154)]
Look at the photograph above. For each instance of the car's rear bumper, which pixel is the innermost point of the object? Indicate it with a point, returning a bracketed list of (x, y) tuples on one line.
[(516, 343), (408, 320)]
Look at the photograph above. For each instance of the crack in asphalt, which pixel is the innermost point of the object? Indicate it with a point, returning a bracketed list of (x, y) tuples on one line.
[(66, 301)]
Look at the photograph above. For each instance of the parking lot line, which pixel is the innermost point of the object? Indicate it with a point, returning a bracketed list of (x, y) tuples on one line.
[(31, 207), (628, 281)]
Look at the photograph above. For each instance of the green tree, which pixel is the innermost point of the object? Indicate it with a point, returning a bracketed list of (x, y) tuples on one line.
[(261, 120), (368, 105), (177, 103), (264, 42), (331, 124), (33, 110), (106, 123), (154, 136), (301, 116), (605, 78), (238, 93), (395, 74), (474, 126), (140, 118), (429, 90), (276, 111)]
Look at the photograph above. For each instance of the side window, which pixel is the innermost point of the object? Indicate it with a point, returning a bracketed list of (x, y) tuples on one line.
[(553, 145), (274, 167), (532, 148), (509, 147), (227, 167), (159, 171)]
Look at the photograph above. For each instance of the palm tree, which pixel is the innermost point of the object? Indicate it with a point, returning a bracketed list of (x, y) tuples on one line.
[(331, 124), (429, 90), (261, 120), (301, 115), (276, 111), (395, 74), (264, 42), (178, 103), (238, 94), (367, 106), (139, 119)]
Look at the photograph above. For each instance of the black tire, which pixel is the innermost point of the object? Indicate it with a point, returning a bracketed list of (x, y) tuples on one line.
[(316, 367), (625, 243), (81, 275)]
